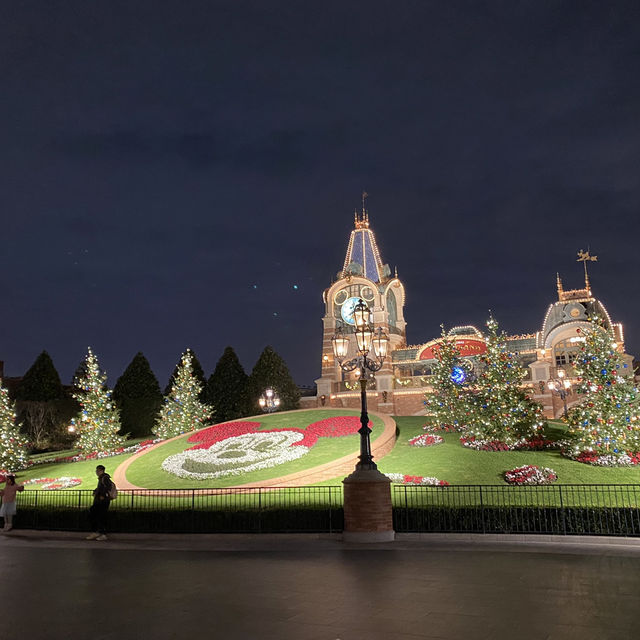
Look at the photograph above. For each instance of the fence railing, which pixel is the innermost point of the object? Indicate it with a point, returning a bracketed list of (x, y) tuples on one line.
[(233, 510), (550, 509), (547, 509)]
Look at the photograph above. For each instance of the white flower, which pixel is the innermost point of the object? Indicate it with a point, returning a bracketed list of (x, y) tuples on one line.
[(240, 454)]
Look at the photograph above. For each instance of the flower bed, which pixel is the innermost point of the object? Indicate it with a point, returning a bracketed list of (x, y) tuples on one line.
[(55, 484), (134, 448), (327, 428), (236, 455), (400, 478), (628, 459), (536, 444), (426, 440), (235, 448), (530, 474)]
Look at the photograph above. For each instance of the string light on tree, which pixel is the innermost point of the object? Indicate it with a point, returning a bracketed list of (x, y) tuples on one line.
[(607, 421), (447, 405), (13, 445), (98, 422), (182, 411), (501, 412)]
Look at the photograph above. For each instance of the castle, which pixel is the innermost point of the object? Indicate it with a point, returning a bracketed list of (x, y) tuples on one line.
[(400, 385)]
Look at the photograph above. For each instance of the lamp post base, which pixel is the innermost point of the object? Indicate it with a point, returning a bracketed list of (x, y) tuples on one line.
[(368, 515)]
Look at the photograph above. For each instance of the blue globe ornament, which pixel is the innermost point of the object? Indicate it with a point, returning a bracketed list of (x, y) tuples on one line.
[(458, 375)]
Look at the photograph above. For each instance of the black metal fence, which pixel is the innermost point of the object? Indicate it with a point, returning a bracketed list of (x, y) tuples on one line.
[(553, 509), (250, 510), (612, 510)]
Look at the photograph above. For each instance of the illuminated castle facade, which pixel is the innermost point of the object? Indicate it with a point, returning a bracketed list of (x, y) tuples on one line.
[(400, 386)]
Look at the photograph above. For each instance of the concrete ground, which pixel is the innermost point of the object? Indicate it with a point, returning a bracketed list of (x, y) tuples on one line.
[(282, 587)]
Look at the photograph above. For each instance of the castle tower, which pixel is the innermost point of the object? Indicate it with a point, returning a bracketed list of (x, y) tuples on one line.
[(363, 276)]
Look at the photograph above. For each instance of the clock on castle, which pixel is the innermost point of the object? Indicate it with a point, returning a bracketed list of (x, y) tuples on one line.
[(363, 277)]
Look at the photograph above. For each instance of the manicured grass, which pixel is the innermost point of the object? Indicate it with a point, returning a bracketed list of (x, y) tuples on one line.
[(456, 464), (147, 471)]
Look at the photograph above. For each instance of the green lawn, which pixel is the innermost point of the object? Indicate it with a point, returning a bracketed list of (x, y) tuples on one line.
[(456, 464), (147, 471)]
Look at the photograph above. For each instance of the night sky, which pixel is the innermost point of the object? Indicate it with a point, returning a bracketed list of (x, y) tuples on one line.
[(170, 172)]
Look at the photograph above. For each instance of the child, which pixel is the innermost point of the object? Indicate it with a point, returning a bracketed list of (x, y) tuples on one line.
[(8, 509)]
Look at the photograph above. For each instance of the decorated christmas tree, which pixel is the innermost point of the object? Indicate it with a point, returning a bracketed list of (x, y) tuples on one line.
[(182, 411), (448, 403), (607, 422), (13, 445), (502, 415), (98, 423)]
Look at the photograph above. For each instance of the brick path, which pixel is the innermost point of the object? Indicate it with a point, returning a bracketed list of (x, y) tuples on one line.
[(380, 447)]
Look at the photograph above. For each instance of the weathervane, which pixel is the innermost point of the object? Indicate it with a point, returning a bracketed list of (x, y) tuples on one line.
[(584, 257)]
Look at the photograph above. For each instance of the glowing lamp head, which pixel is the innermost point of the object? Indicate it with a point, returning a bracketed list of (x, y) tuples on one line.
[(560, 373), (262, 402), (363, 338), (550, 385), (381, 344), (340, 346), (361, 314), (71, 428), (567, 384)]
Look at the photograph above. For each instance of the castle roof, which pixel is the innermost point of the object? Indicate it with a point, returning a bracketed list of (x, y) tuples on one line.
[(363, 257)]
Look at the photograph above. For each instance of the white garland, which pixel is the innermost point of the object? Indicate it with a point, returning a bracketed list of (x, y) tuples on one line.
[(237, 455)]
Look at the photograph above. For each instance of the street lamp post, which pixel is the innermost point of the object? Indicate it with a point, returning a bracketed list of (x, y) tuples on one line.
[(366, 338), (560, 386), (269, 401)]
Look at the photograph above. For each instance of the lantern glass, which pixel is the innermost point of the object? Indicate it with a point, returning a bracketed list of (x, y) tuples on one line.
[(381, 344), (364, 340), (361, 314), (340, 346)]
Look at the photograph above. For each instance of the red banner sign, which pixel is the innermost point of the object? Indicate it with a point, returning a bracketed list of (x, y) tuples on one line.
[(466, 347)]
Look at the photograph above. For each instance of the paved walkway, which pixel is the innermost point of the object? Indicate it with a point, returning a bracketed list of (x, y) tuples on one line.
[(340, 467), (317, 588)]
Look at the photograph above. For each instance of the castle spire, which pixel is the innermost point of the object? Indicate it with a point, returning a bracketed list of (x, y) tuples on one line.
[(363, 257), (559, 284)]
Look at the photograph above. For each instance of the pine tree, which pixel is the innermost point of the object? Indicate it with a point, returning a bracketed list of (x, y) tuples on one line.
[(226, 388), (43, 406), (607, 421), (447, 405), (41, 383), (137, 395), (182, 410), (196, 370), (98, 423), (271, 371), (501, 411), (13, 445)]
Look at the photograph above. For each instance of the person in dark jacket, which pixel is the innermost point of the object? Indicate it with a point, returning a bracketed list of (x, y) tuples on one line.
[(100, 507)]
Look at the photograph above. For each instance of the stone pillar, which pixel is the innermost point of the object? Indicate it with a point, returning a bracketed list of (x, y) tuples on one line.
[(368, 515)]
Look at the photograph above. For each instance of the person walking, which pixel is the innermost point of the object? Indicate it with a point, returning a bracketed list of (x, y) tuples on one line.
[(8, 508), (100, 507)]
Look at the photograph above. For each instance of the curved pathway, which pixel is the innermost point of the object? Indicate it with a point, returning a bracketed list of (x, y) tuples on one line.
[(380, 447)]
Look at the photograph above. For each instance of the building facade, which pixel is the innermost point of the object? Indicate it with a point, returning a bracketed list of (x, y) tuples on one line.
[(399, 388)]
